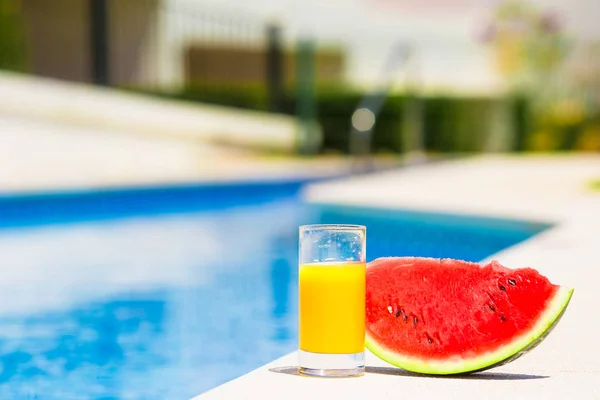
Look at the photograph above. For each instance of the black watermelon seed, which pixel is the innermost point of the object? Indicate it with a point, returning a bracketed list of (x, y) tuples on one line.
[(398, 313), (502, 287), (415, 320), (502, 318), (491, 307), (512, 282), (429, 339), (405, 318)]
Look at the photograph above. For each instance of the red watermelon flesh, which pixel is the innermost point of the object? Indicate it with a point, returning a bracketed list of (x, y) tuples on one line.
[(448, 316)]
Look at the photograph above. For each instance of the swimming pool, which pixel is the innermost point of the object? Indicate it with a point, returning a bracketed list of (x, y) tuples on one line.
[(166, 293)]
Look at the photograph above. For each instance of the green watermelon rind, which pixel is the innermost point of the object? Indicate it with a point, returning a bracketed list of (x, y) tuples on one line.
[(503, 355)]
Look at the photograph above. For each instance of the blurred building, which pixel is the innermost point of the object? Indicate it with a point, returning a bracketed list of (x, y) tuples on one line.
[(92, 40), (153, 44)]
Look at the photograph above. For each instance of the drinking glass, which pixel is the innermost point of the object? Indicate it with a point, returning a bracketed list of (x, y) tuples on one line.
[(332, 268)]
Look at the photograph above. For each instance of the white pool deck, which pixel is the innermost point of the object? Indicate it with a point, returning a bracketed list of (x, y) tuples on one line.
[(41, 155), (85, 106), (550, 188), (56, 135)]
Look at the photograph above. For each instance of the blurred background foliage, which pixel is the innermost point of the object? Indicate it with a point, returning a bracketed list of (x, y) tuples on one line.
[(551, 102), (450, 123), (12, 38), (558, 77)]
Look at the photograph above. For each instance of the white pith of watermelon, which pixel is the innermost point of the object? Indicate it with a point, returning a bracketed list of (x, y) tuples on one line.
[(400, 343)]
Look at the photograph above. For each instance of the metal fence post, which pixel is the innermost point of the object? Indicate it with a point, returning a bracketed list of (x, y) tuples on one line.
[(274, 64), (305, 80), (99, 42), (306, 102)]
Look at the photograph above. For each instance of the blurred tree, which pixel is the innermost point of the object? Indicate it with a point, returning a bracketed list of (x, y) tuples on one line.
[(528, 44), (538, 61)]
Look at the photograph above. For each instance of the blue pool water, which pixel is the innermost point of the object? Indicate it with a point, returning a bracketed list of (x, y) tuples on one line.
[(166, 294)]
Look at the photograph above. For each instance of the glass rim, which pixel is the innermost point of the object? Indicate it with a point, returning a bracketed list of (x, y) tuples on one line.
[(333, 227)]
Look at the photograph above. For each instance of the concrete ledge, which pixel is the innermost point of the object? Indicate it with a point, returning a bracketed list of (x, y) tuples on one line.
[(544, 188), (108, 109), (278, 380)]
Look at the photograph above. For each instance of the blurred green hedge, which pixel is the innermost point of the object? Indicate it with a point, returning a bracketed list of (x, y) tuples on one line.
[(458, 124), (449, 124)]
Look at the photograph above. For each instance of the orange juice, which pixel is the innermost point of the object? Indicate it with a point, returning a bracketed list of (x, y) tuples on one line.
[(332, 307)]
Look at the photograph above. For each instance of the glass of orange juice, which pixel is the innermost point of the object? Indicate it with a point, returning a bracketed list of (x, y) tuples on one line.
[(332, 300)]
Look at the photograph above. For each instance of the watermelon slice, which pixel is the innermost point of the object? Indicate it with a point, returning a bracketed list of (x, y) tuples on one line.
[(447, 316)]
